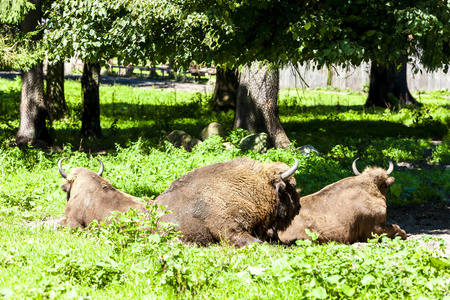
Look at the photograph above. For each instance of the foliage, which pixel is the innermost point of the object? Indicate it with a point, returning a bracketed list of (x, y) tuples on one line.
[(12, 12), (131, 228), (127, 259), (76, 270), (18, 49), (132, 31), (215, 32), (377, 30)]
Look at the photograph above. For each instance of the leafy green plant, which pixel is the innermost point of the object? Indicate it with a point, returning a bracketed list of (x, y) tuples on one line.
[(121, 230), (178, 269), (441, 154), (236, 135), (52, 288), (81, 271)]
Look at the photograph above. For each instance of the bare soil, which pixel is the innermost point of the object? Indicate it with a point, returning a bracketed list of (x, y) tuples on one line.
[(423, 219)]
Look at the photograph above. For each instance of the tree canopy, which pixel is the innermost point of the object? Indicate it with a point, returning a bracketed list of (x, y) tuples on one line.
[(18, 49), (234, 33)]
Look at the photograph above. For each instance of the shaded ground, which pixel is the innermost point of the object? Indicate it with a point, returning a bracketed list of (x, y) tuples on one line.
[(141, 82), (420, 220)]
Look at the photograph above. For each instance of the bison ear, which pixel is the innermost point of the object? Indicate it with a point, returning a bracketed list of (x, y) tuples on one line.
[(66, 187), (279, 186), (390, 181)]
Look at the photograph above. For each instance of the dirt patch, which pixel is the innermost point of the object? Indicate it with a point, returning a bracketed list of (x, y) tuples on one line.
[(421, 220)]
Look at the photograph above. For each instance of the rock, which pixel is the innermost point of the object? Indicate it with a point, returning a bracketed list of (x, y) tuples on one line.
[(307, 150), (228, 145), (180, 138), (258, 142), (213, 128)]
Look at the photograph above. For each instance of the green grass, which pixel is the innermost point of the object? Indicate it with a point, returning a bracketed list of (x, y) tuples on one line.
[(40, 263)]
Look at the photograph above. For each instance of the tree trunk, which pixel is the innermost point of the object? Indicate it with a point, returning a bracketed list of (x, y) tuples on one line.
[(388, 86), (56, 102), (225, 89), (257, 103), (33, 112), (90, 121)]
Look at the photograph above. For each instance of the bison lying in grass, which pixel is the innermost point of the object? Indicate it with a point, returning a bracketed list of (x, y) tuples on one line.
[(347, 211), (90, 197), (233, 201)]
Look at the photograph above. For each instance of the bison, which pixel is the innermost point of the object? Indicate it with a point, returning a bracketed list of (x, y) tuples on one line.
[(347, 211), (91, 197), (232, 201)]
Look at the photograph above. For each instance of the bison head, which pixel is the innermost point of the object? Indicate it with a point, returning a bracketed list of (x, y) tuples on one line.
[(286, 193), (378, 176), (67, 186)]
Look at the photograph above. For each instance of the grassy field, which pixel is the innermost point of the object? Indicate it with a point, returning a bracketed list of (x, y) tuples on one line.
[(43, 263)]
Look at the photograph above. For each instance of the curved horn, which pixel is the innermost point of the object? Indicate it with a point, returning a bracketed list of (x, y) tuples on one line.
[(102, 167), (60, 169), (355, 170), (291, 171), (391, 167)]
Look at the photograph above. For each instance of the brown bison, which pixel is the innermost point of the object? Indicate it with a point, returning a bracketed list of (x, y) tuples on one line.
[(347, 211), (91, 197), (232, 201)]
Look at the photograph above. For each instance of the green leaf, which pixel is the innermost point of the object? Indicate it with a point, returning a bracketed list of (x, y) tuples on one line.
[(334, 279), (307, 26), (303, 242), (396, 189), (439, 263), (370, 32), (313, 235), (348, 291), (367, 279), (319, 293)]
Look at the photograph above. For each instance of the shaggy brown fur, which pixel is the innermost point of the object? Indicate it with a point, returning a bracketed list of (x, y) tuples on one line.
[(232, 201), (346, 211), (90, 197)]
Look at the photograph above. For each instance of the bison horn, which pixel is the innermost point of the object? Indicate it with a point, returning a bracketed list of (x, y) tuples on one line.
[(60, 169), (100, 172), (391, 167), (355, 170), (291, 171)]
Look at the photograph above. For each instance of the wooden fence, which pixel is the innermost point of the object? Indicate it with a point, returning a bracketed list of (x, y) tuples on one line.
[(357, 78)]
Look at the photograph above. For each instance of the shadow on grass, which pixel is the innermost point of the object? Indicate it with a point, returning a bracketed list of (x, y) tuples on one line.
[(325, 134), (322, 134), (156, 112), (154, 135)]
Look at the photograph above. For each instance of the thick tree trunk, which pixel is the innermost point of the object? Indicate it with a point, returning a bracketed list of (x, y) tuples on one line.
[(225, 89), (389, 80), (33, 112), (90, 82), (56, 102), (257, 103)]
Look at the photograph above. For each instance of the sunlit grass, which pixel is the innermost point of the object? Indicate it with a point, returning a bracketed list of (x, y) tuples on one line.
[(39, 263)]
